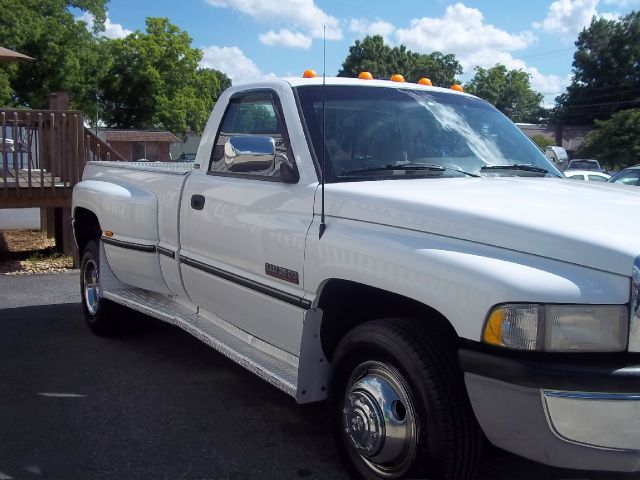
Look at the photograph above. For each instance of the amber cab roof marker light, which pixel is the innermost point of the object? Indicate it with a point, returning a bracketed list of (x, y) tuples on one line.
[(309, 74), (425, 81), (396, 77), (365, 76), (457, 88)]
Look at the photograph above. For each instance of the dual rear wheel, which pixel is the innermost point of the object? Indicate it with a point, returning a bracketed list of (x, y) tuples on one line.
[(102, 315)]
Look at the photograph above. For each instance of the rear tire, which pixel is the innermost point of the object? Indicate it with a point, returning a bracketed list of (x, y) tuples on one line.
[(102, 315), (399, 404)]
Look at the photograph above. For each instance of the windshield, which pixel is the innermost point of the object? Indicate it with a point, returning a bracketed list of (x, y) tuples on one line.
[(374, 133)]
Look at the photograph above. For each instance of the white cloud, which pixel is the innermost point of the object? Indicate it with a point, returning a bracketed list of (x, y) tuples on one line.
[(461, 31), (568, 17), (611, 15), (111, 30), (232, 61), (549, 85), (286, 38), (367, 27), (302, 14)]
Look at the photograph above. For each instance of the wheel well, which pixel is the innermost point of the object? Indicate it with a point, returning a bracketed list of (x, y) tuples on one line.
[(85, 227), (346, 304)]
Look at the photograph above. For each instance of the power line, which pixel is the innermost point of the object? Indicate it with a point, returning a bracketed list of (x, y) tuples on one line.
[(549, 52)]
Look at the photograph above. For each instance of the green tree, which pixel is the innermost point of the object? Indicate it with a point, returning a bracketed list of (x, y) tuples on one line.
[(374, 56), (542, 141), (615, 141), (67, 56), (606, 71), (509, 91), (153, 81)]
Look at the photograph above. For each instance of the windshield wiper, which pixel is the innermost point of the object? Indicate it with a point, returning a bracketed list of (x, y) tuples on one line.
[(516, 166), (409, 167)]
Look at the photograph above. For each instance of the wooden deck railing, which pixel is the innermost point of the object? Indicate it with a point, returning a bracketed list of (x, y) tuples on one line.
[(98, 150), (43, 152)]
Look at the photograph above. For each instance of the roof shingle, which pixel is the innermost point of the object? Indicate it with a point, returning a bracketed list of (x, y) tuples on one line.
[(140, 136)]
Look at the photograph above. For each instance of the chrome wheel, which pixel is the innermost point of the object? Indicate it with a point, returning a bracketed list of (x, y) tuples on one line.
[(379, 419), (91, 286)]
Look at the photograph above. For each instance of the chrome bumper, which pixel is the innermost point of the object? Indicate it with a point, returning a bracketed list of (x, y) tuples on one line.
[(600, 420), (587, 431)]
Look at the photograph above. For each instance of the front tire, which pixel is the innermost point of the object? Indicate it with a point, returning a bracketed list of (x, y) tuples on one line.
[(101, 315), (399, 404)]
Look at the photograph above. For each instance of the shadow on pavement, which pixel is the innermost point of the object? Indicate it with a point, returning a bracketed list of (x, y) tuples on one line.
[(157, 403)]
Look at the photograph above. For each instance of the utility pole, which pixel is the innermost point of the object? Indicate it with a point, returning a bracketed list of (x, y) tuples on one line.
[(96, 113)]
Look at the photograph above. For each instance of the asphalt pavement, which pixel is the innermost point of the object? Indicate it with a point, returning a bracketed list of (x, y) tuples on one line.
[(155, 403)]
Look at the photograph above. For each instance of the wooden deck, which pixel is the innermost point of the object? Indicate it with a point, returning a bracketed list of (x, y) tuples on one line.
[(34, 188), (42, 156)]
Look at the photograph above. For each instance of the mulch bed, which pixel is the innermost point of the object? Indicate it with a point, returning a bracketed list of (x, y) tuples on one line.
[(25, 252)]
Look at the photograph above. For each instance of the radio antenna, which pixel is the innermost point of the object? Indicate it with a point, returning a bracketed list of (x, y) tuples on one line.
[(323, 226)]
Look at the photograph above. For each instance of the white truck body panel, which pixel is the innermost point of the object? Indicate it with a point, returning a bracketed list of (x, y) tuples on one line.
[(460, 279), (542, 217)]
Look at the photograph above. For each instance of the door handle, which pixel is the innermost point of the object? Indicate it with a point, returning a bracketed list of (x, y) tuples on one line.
[(197, 202)]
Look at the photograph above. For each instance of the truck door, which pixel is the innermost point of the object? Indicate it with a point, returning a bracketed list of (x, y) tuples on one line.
[(243, 229)]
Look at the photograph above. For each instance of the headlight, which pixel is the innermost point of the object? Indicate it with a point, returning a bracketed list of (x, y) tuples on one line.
[(558, 328)]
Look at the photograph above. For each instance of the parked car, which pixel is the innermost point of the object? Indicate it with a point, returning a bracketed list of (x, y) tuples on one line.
[(584, 164), (558, 155), (186, 157), (586, 175), (628, 176)]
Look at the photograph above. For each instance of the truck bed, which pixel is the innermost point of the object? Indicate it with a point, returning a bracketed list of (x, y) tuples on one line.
[(176, 168)]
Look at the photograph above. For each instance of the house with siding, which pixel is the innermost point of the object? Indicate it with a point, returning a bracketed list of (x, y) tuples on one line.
[(140, 144)]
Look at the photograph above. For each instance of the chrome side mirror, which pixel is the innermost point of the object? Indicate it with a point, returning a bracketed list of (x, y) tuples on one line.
[(249, 153)]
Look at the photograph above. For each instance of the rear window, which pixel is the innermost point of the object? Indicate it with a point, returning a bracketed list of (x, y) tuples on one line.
[(584, 164)]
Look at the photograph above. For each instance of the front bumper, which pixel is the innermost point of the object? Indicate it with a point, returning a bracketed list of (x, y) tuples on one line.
[(572, 416)]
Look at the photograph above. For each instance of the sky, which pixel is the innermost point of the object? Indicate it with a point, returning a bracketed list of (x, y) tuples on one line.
[(254, 39)]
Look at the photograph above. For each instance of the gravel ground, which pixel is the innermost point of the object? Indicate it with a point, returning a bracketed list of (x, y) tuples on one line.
[(25, 252)]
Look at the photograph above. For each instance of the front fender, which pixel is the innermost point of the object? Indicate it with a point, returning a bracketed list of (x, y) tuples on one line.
[(460, 279)]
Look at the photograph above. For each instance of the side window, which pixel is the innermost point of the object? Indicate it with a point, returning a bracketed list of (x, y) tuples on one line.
[(255, 114), (597, 178)]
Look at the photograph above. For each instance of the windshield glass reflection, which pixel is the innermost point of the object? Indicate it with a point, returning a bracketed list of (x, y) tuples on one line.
[(374, 133)]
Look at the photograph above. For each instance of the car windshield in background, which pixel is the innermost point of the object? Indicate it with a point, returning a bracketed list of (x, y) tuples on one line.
[(187, 157), (374, 133), (584, 165)]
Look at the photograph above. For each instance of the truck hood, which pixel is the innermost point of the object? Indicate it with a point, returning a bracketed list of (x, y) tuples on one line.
[(594, 225)]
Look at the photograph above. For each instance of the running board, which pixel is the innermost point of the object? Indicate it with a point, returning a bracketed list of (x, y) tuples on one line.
[(274, 365)]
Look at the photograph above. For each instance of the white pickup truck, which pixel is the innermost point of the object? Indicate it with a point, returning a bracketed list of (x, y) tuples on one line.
[(443, 287)]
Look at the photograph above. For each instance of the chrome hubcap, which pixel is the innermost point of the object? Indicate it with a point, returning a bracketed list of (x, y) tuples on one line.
[(91, 286), (379, 419)]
